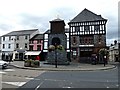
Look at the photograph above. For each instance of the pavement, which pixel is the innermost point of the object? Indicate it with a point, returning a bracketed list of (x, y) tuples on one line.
[(72, 67)]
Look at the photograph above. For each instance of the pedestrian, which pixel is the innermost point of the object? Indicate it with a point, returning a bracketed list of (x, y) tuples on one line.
[(104, 60), (38, 58)]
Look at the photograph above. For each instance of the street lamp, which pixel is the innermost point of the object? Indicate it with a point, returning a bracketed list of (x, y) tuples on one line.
[(55, 55)]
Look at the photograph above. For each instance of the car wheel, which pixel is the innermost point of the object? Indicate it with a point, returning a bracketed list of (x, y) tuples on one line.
[(3, 67)]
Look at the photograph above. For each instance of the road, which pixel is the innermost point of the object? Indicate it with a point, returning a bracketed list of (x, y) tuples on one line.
[(22, 78), (74, 79), (13, 77)]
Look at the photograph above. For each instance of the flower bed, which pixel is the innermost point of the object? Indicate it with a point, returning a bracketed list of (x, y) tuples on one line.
[(31, 63)]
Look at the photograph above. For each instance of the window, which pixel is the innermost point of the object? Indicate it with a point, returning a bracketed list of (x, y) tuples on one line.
[(17, 45), (26, 37), (77, 29), (31, 42), (45, 45), (74, 53), (3, 46), (46, 36), (97, 28), (17, 37), (86, 40), (31, 48), (38, 41), (25, 45), (86, 28), (3, 38), (74, 39), (9, 45), (38, 47), (9, 38)]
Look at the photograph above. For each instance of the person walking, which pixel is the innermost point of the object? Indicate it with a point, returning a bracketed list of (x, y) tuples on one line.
[(104, 60)]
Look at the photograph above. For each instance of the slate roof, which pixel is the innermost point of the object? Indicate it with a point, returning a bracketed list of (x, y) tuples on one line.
[(58, 19), (87, 15), (21, 32), (37, 37)]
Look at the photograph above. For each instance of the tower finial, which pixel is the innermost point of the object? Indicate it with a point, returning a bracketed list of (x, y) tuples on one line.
[(58, 16)]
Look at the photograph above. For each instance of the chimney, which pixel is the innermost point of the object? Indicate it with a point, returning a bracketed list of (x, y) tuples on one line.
[(115, 42)]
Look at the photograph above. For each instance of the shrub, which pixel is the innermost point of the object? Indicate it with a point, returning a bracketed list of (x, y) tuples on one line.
[(36, 63), (51, 48)]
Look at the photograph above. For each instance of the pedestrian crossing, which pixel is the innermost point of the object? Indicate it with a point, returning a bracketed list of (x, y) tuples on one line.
[(6, 70), (14, 83), (1, 72)]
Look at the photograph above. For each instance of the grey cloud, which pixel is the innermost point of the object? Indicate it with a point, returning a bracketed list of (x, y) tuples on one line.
[(34, 21), (65, 12), (112, 27), (5, 27), (42, 22)]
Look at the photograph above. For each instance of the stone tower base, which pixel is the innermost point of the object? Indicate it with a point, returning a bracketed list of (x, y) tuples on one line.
[(60, 55)]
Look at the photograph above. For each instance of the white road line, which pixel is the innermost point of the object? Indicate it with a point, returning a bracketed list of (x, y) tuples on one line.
[(66, 87), (39, 85), (29, 78), (117, 85), (1, 72), (9, 70), (54, 80), (15, 83)]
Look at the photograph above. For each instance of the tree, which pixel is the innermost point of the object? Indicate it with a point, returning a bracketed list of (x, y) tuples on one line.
[(103, 52)]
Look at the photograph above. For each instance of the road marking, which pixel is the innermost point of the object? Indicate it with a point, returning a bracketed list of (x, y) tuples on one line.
[(9, 70), (29, 78), (39, 85), (53, 80), (117, 85), (15, 83), (66, 87), (1, 72)]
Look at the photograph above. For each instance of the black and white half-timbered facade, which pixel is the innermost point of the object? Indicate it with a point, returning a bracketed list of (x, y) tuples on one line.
[(87, 35)]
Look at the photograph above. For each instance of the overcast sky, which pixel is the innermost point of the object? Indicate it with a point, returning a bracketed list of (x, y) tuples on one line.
[(30, 14)]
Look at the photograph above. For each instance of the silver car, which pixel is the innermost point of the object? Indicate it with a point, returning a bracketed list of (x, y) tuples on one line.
[(3, 64)]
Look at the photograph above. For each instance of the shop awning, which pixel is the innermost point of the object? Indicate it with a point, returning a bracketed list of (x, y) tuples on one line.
[(32, 52)]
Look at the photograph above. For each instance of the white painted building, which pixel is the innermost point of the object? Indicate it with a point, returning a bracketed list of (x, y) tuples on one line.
[(16, 42), (114, 52), (0, 49)]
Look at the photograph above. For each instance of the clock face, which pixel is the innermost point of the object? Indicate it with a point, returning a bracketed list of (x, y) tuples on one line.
[(55, 41)]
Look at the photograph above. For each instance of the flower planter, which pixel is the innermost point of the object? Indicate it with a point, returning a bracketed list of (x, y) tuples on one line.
[(31, 63), (36, 63), (27, 63)]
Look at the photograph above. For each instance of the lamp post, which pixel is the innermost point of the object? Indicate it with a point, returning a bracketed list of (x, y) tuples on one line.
[(55, 55)]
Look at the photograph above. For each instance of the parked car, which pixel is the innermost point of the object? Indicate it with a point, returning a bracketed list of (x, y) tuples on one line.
[(3, 64)]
